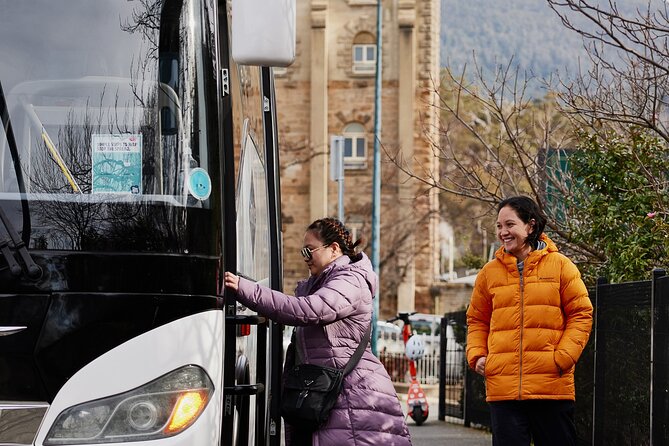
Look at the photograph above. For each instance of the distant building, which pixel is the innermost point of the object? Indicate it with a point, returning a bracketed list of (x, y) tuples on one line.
[(329, 90)]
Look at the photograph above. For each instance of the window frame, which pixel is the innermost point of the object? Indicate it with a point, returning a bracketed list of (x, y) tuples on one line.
[(364, 65), (354, 161)]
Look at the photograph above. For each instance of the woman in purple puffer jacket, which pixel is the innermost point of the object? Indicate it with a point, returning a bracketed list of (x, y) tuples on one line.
[(332, 311)]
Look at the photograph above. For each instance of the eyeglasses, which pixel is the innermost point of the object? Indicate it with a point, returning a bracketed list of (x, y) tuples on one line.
[(307, 253)]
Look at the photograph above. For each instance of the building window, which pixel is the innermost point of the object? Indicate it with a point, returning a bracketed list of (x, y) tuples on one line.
[(364, 54), (355, 147), (362, 2), (279, 71)]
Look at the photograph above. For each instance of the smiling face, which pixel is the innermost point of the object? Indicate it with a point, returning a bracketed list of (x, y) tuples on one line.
[(321, 255), (513, 232)]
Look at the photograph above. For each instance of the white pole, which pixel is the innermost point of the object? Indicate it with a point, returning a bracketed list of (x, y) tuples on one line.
[(337, 171)]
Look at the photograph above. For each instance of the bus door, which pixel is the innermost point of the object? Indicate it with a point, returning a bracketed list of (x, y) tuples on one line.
[(257, 257)]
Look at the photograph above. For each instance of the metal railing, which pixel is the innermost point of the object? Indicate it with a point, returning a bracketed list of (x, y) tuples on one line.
[(397, 366)]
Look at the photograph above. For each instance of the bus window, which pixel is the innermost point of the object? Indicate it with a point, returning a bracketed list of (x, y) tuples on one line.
[(252, 215)]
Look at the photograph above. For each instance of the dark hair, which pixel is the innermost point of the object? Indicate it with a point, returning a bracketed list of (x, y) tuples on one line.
[(527, 209), (331, 230)]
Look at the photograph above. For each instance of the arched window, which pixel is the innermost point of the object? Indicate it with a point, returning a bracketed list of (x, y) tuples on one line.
[(364, 54), (355, 146)]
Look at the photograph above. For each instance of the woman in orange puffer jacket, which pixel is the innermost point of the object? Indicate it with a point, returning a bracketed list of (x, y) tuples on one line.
[(528, 321)]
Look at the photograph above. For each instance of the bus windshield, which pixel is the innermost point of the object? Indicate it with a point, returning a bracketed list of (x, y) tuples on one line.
[(109, 104)]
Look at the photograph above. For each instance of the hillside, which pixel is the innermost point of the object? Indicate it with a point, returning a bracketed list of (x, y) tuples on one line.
[(527, 30)]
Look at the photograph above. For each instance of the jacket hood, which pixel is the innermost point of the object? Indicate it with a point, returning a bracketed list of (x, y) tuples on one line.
[(510, 261), (363, 266)]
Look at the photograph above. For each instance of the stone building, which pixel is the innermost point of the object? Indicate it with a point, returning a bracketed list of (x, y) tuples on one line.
[(330, 90)]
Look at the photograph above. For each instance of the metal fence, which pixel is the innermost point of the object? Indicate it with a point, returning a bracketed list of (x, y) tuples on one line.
[(461, 392), (397, 366), (622, 378), (444, 360), (631, 386), (453, 369)]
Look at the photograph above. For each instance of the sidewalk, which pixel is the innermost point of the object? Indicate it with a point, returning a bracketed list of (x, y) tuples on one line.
[(434, 432), (442, 433)]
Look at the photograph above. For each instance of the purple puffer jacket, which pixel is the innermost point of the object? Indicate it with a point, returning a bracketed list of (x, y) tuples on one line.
[(332, 313)]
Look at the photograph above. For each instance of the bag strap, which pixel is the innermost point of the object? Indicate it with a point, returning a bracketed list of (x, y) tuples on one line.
[(357, 354), (358, 351)]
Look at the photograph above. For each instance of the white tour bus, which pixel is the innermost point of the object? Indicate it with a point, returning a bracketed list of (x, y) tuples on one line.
[(138, 162)]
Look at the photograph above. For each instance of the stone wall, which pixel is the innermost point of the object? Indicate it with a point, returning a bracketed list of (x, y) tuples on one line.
[(409, 247)]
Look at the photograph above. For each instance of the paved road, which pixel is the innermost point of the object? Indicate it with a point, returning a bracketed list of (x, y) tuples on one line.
[(434, 432), (440, 433)]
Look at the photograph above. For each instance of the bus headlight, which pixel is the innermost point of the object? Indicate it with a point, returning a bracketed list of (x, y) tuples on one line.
[(161, 408)]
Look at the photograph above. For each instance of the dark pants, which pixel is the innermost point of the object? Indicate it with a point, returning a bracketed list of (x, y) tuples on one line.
[(547, 422)]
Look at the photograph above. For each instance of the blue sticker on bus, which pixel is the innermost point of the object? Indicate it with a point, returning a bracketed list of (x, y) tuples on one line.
[(199, 183)]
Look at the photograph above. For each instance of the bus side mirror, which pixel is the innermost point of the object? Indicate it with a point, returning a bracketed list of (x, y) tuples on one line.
[(263, 32)]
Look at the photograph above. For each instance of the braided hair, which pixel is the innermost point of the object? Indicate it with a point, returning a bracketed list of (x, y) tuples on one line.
[(527, 209), (331, 230)]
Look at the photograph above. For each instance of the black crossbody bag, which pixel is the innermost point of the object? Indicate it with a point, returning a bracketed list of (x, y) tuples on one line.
[(310, 391)]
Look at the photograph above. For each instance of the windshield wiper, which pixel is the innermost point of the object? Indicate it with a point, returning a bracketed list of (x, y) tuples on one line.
[(33, 269), (14, 266)]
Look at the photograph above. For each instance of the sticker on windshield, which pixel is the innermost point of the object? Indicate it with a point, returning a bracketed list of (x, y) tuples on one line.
[(117, 163), (199, 183)]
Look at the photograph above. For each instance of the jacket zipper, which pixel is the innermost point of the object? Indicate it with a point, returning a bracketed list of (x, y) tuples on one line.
[(522, 323)]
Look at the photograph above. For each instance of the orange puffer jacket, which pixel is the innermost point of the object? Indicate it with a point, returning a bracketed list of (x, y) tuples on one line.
[(532, 329)]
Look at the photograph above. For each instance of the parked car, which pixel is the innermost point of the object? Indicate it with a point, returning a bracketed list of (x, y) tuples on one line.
[(428, 325), (389, 338)]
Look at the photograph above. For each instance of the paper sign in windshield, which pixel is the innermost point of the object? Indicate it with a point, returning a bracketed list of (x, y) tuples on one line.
[(117, 164)]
